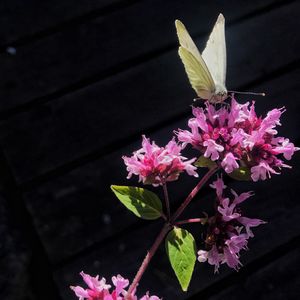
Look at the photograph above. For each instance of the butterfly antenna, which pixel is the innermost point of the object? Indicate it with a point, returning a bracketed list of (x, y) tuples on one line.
[(248, 93)]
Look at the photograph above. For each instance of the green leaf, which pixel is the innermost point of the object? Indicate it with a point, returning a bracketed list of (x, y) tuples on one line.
[(204, 162), (242, 174), (143, 203), (181, 250)]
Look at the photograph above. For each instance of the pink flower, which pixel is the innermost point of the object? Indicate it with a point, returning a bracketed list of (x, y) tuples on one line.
[(99, 290), (262, 171), (285, 147), (228, 231), (202, 255), (147, 297), (212, 149), (120, 283), (156, 165), (229, 163), (227, 210), (248, 223), (236, 136), (231, 251), (242, 197), (219, 186)]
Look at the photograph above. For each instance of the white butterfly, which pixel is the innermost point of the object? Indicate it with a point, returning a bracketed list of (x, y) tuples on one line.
[(206, 72)]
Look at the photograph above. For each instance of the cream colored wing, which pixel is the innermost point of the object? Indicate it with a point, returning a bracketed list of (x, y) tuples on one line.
[(199, 76), (214, 53), (185, 39), (196, 69)]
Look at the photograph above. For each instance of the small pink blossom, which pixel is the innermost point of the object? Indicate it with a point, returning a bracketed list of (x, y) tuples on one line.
[(213, 257), (228, 231), (262, 171), (99, 290), (286, 148), (156, 165), (219, 186), (227, 210), (231, 251), (229, 163), (200, 118), (238, 136), (120, 283), (202, 255), (248, 223), (242, 197), (147, 297), (212, 149), (235, 136)]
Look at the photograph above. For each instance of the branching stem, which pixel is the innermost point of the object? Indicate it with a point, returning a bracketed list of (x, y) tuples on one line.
[(170, 222), (193, 193)]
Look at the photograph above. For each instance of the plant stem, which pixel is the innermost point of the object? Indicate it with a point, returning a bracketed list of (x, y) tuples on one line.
[(164, 217), (193, 193), (147, 259), (167, 227), (195, 220), (167, 200)]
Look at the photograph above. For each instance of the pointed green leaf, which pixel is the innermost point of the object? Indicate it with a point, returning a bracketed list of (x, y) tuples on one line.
[(181, 250), (242, 174), (204, 162), (143, 203)]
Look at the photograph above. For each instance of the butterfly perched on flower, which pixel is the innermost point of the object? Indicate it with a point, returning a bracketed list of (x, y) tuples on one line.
[(206, 71)]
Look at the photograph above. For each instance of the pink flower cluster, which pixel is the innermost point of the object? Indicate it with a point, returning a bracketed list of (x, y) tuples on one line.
[(236, 137), (155, 165), (228, 231), (99, 290)]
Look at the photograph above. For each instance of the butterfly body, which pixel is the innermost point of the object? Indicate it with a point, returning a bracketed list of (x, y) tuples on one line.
[(219, 95), (206, 71)]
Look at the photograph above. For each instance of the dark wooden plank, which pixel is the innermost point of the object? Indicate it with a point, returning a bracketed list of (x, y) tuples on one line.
[(79, 55), (24, 19), (15, 256), (123, 255), (89, 120), (84, 195), (76, 204), (22, 255), (279, 280)]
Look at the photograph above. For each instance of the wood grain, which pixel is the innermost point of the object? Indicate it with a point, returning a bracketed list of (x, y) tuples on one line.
[(84, 193), (103, 114), (100, 47), (87, 79)]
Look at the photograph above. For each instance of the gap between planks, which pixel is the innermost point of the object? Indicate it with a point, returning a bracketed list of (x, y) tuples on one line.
[(249, 269), (103, 11), (126, 65), (76, 163), (39, 260)]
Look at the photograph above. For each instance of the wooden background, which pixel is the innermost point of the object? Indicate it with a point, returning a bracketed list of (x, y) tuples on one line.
[(80, 81)]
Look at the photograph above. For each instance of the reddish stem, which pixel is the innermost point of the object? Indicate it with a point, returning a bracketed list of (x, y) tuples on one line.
[(164, 217), (166, 229), (195, 220), (193, 193), (167, 200), (147, 259)]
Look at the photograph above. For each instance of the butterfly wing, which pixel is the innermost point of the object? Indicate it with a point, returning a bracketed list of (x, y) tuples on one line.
[(199, 77), (195, 67), (214, 53)]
